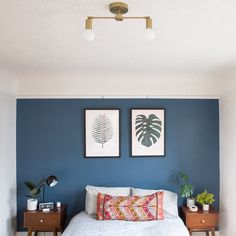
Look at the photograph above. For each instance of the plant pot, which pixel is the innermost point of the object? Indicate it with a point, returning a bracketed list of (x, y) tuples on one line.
[(32, 204), (205, 207), (190, 202)]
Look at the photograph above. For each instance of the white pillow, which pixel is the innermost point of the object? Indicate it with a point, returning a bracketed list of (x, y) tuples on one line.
[(170, 200), (92, 192)]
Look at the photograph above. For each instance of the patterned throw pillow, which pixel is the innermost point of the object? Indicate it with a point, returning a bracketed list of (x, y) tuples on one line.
[(130, 208)]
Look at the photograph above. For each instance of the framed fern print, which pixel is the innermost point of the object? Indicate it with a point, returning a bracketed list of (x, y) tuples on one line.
[(147, 132), (102, 132)]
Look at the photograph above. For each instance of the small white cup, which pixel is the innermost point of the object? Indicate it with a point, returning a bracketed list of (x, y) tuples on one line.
[(58, 204)]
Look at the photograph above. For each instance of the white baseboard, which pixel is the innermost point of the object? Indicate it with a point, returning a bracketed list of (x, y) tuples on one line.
[(39, 234), (203, 234), (50, 234)]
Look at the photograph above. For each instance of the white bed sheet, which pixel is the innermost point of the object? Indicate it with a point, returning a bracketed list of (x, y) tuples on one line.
[(86, 225)]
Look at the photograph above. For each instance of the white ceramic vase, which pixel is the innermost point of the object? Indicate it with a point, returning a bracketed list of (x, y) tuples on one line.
[(205, 207), (32, 204), (190, 202)]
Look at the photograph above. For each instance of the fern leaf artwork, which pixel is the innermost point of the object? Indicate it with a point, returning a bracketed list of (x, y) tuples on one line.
[(102, 130), (148, 129)]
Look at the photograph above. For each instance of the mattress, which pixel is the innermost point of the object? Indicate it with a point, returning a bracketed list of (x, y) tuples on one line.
[(86, 225)]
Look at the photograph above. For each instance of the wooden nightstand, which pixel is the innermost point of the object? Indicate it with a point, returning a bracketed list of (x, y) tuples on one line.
[(205, 221), (52, 221)]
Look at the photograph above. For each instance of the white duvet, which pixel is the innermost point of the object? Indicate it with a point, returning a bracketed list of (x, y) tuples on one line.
[(86, 225)]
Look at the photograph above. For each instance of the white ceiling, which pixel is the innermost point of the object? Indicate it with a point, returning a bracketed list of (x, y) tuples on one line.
[(46, 35)]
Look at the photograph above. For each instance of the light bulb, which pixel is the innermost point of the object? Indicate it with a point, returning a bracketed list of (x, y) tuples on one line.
[(149, 34), (89, 35)]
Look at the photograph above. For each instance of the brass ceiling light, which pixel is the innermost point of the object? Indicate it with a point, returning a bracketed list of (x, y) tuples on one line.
[(119, 9)]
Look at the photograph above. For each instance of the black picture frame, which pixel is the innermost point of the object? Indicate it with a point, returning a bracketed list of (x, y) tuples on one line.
[(97, 144), (157, 149)]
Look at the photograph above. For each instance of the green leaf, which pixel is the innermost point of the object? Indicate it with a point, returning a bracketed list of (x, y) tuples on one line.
[(183, 176), (205, 198), (33, 191), (148, 130), (30, 185), (186, 190)]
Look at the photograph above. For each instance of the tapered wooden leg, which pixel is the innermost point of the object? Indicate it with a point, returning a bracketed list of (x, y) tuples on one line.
[(207, 233), (54, 232), (213, 231), (29, 232), (190, 232)]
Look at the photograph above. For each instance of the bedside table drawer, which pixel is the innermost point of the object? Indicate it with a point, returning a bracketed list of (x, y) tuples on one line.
[(202, 220), (42, 220)]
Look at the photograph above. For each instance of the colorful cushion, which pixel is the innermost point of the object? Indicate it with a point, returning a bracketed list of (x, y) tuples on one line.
[(170, 206), (92, 192), (131, 208)]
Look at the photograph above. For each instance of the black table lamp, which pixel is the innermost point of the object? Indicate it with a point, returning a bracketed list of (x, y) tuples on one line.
[(51, 181)]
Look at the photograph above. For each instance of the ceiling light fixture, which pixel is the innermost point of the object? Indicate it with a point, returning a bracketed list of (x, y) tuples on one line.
[(119, 9)]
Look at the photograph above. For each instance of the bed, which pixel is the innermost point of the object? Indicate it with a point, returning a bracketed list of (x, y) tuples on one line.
[(86, 224)]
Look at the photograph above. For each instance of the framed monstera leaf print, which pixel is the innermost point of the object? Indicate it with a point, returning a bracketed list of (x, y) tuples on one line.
[(102, 132), (147, 132)]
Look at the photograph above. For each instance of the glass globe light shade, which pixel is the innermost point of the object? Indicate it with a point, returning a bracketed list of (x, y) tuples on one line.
[(89, 35), (149, 34)]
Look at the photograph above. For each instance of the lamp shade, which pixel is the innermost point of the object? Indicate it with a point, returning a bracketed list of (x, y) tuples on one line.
[(51, 180)]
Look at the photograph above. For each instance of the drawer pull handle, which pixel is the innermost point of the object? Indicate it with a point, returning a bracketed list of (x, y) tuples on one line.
[(203, 221), (41, 221)]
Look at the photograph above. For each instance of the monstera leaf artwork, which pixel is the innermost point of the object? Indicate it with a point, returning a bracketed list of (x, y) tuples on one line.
[(148, 129), (148, 132), (102, 130)]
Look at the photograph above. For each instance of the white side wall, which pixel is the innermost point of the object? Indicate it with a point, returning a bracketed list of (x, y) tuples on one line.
[(7, 154), (228, 163), (39, 234), (8, 83), (50, 234)]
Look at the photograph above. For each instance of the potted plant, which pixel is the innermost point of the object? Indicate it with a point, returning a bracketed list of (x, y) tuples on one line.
[(186, 189), (34, 193), (205, 198)]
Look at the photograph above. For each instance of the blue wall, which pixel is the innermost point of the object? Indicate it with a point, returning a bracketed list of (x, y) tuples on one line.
[(50, 140)]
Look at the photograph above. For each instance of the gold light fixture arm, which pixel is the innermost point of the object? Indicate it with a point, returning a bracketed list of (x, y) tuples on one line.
[(88, 23), (113, 17)]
